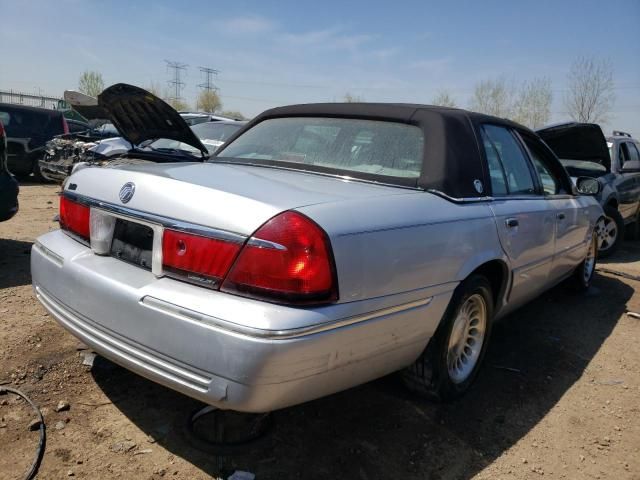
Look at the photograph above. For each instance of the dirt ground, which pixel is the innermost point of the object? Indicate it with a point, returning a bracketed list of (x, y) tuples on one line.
[(559, 397)]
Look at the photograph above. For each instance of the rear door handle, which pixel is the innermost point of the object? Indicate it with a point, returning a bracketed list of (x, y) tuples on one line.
[(561, 216), (512, 222)]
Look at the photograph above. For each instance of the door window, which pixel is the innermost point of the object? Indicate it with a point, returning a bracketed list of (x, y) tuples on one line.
[(551, 184), (508, 166)]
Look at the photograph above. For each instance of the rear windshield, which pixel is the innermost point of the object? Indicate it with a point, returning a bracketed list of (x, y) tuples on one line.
[(341, 145)]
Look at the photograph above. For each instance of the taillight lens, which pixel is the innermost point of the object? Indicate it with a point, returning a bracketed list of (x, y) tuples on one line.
[(288, 259), (196, 258), (74, 217), (65, 125)]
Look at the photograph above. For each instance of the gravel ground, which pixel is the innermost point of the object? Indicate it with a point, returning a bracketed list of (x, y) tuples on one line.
[(559, 397)]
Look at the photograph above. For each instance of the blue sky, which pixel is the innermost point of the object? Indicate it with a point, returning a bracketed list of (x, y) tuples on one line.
[(274, 53)]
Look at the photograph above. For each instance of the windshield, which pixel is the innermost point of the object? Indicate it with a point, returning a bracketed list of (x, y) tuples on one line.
[(328, 144), (578, 168), (215, 130)]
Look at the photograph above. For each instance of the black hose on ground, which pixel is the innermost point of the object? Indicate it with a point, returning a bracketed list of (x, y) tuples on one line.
[(43, 437)]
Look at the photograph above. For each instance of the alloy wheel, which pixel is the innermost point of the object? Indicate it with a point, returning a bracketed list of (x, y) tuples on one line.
[(606, 232), (467, 338)]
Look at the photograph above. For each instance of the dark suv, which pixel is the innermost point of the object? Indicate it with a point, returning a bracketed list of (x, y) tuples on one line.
[(615, 161), (28, 129), (8, 184)]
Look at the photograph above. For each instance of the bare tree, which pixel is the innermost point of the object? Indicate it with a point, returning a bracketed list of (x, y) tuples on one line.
[(533, 103), (590, 95), (208, 101), (494, 97), (178, 104), (91, 83), (350, 98), (155, 89), (444, 99)]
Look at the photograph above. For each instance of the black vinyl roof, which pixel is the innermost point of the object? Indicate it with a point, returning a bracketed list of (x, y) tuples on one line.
[(452, 157)]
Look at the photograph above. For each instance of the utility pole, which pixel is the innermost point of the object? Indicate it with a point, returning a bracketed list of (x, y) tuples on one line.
[(209, 74), (176, 82)]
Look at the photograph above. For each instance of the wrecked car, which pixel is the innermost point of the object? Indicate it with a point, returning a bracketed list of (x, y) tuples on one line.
[(323, 246), (100, 146), (584, 151)]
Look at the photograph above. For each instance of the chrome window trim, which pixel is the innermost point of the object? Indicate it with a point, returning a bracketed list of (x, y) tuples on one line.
[(165, 222)]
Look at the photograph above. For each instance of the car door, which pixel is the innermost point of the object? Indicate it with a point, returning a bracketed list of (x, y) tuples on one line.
[(524, 219), (571, 218), (627, 180)]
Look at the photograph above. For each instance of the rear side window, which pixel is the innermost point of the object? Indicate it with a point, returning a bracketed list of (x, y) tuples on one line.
[(28, 123), (633, 152), (371, 147), (508, 165)]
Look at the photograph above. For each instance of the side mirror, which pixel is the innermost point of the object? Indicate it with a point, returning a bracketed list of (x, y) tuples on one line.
[(588, 186), (631, 166)]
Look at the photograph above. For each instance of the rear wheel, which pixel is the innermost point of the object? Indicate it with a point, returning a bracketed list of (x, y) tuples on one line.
[(609, 230), (451, 361)]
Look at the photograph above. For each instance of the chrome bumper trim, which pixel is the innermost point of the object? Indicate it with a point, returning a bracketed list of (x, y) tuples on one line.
[(51, 255), (191, 315)]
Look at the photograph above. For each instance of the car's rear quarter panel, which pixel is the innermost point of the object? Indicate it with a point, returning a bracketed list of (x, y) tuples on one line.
[(401, 244)]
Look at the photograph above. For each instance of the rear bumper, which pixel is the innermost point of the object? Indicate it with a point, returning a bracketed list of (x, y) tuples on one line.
[(228, 351)]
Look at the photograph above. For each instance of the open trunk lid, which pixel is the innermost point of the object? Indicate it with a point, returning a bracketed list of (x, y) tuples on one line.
[(577, 141), (139, 116)]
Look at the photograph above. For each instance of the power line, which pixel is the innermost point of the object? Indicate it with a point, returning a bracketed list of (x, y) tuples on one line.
[(176, 82)]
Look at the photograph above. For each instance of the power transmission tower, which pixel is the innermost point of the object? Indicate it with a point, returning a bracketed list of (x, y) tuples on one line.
[(208, 84), (176, 82)]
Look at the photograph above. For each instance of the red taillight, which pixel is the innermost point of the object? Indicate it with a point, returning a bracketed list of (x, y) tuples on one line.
[(74, 217), (1, 130), (190, 255), (65, 125), (288, 259)]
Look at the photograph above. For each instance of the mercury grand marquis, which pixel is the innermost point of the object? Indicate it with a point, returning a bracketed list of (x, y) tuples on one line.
[(323, 246)]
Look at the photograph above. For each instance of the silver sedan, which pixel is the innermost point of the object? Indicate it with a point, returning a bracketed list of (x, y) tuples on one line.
[(323, 247)]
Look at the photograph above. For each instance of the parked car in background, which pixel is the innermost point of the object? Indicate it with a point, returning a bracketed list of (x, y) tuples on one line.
[(8, 185), (583, 150), (322, 247), (212, 134), (28, 129)]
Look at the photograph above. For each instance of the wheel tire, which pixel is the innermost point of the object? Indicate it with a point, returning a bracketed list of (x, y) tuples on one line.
[(37, 173), (430, 374), (583, 274), (608, 243)]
